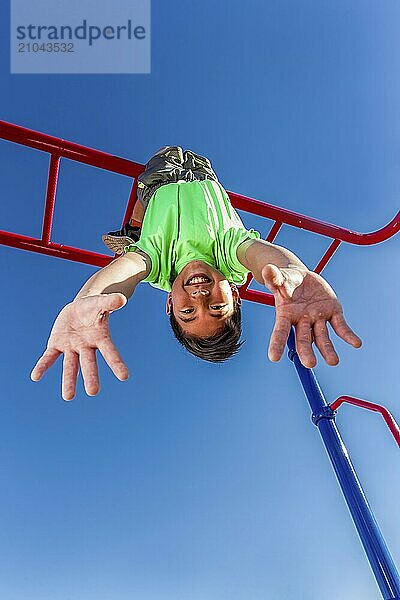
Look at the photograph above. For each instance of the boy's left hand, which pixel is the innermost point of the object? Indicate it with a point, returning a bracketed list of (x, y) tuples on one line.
[(305, 300)]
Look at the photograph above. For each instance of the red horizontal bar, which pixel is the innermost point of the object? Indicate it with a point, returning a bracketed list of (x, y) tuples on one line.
[(54, 145), (255, 296), (61, 147), (23, 242), (57, 250), (390, 421), (300, 221)]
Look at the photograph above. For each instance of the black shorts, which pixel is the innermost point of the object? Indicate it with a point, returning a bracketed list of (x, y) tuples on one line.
[(169, 165)]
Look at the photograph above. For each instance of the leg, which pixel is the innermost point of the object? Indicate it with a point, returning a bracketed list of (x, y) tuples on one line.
[(199, 165), (137, 214), (165, 166)]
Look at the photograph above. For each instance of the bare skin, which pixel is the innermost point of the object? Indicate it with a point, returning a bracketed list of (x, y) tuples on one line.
[(80, 329), (306, 301), (302, 299)]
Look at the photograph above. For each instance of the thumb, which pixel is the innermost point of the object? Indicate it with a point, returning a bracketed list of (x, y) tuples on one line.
[(111, 302), (281, 281), (273, 277)]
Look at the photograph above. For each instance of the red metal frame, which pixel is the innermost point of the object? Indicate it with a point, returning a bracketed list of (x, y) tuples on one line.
[(59, 148), (390, 421)]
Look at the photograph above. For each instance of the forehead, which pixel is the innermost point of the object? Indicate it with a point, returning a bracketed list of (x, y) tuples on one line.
[(204, 325)]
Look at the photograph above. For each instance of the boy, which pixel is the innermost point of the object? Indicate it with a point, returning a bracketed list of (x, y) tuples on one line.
[(185, 237)]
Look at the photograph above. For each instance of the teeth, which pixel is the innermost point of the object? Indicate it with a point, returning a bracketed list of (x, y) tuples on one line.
[(198, 280)]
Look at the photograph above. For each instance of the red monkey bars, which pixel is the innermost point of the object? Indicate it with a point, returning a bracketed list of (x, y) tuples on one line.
[(59, 148), (323, 414)]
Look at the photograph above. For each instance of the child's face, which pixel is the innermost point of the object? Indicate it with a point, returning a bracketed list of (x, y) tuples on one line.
[(201, 299)]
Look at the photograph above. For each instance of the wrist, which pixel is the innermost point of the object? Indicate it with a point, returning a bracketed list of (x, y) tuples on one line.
[(91, 293)]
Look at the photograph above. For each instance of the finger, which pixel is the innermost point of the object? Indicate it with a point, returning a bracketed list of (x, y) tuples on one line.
[(110, 302), (324, 344), (279, 338), (114, 360), (69, 375), (304, 340), (344, 331), (90, 372), (47, 359)]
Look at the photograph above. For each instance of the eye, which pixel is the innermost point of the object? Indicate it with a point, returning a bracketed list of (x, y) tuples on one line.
[(187, 311), (218, 306)]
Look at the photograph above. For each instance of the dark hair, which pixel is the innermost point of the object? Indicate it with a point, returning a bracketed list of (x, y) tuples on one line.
[(215, 348)]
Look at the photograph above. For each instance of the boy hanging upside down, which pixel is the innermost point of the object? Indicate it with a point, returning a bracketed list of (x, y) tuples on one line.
[(185, 237)]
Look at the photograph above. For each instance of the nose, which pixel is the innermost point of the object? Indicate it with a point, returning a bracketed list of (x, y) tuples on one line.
[(200, 292)]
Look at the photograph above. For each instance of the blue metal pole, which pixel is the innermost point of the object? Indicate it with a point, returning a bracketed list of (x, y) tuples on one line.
[(371, 537)]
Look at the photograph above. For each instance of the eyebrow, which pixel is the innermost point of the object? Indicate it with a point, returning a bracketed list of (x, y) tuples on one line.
[(186, 320)]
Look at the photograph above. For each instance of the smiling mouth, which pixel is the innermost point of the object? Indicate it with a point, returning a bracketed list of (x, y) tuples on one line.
[(198, 279)]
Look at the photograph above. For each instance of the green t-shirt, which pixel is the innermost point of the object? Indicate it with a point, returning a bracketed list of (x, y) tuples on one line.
[(191, 220)]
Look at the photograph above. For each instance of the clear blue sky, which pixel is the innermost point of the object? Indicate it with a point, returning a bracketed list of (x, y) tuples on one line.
[(196, 481)]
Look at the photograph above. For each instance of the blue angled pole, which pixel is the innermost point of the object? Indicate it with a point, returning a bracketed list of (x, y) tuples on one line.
[(323, 417)]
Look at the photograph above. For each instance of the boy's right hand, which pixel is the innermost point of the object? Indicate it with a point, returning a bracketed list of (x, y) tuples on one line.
[(79, 330), (305, 300)]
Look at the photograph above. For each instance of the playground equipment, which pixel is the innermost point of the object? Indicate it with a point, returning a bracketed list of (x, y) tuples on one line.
[(323, 414)]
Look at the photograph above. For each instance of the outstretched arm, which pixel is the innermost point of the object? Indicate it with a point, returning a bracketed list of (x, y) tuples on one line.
[(81, 327), (302, 299)]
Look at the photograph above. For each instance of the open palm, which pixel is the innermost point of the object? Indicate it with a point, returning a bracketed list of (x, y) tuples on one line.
[(80, 329), (305, 300)]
